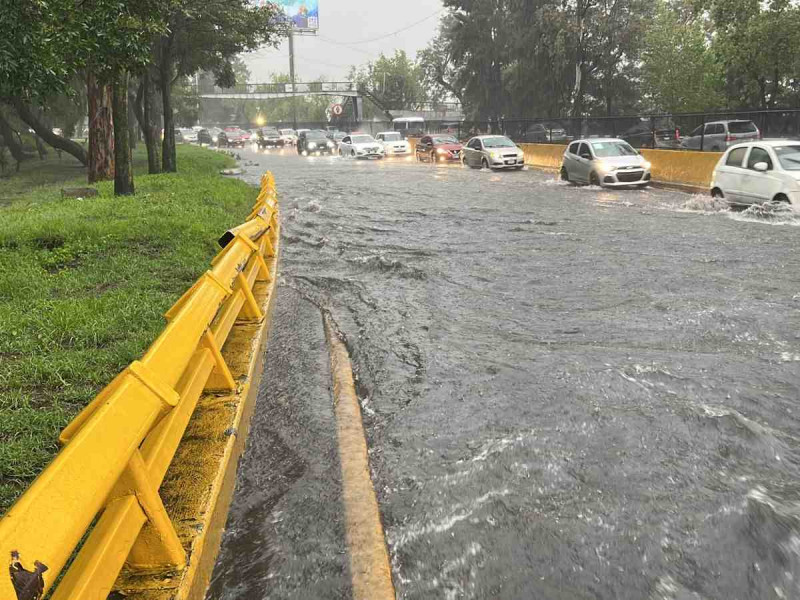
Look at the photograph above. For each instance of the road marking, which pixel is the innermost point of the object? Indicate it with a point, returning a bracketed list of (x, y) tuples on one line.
[(369, 559)]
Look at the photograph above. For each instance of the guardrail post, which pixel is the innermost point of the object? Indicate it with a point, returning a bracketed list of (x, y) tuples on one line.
[(158, 545), (220, 378), (250, 309)]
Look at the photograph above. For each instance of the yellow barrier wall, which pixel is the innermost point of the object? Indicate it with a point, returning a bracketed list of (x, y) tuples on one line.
[(686, 168), (546, 156), (669, 166)]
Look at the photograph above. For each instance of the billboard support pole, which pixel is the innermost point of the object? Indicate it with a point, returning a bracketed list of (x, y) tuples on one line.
[(291, 74)]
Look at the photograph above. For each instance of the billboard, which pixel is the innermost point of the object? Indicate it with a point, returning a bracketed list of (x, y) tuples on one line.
[(304, 14)]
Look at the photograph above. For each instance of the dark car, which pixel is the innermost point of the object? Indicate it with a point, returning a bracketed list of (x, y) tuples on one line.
[(314, 141), (439, 148), (544, 133), (208, 136), (232, 137), (661, 133), (269, 137)]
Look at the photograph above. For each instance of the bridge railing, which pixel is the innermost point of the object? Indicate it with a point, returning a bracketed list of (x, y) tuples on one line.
[(116, 452), (284, 88)]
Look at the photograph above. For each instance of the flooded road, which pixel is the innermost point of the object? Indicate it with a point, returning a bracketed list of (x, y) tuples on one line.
[(568, 392)]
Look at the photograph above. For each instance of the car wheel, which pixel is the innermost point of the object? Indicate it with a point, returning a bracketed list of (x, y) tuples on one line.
[(782, 199), (564, 174), (717, 193), (484, 163), (353, 153), (340, 152), (434, 158), (594, 179)]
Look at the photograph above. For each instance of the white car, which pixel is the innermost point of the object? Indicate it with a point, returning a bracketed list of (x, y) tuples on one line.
[(393, 143), (288, 136), (609, 162), (189, 135), (492, 152), (759, 172), (361, 145)]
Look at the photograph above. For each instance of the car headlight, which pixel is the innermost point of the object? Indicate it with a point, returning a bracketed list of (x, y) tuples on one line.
[(330, 144), (646, 165), (604, 166), (312, 145), (443, 151), (495, 154)]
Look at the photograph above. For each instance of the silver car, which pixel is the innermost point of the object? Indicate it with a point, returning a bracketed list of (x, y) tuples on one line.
[(492, 152), (718, 136), (609, 162)]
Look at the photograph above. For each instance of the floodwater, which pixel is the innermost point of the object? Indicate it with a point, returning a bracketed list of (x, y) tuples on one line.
[(568, 392)]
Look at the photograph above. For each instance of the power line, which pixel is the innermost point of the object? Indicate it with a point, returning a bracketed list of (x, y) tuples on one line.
[(381, 37)]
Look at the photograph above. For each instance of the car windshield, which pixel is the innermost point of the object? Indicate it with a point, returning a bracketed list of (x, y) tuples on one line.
[(742, 127), (287, 132), (339, 135), (362, 139), (498, 142), (445, 140), (316, 135), (609, 149), (789, 157), (273, 132), (392, 137)]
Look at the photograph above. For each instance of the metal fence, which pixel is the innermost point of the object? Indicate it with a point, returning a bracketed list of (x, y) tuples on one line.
[(697, 131)]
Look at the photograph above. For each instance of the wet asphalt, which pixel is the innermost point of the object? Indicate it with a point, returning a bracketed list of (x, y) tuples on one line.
[(568, 392)]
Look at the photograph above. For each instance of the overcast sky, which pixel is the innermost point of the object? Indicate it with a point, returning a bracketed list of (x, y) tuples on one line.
[(345, 30)]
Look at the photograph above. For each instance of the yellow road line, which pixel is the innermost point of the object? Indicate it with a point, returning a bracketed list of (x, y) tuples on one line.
[(369, 560)]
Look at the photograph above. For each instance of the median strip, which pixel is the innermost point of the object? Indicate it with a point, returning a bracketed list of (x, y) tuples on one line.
[(369, 558)]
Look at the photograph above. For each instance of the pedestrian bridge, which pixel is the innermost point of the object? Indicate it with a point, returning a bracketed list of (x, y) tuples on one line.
[(265, 91)]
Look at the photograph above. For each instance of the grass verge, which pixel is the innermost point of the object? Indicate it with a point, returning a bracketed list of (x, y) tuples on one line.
[(83, 287)]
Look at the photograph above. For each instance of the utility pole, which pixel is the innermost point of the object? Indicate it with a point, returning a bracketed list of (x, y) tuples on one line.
[(291, 73)]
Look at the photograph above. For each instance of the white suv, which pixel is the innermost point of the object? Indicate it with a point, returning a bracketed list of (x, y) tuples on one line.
[(759, 172)]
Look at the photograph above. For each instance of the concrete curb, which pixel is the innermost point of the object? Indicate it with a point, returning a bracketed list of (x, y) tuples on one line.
[(198, 488), (369, 558)]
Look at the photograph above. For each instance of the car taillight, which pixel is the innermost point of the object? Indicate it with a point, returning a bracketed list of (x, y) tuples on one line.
[(729, 138), (677, 133), (759, 135)]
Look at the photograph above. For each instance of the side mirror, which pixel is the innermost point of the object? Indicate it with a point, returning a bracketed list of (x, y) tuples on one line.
[(761, 167), (586, 155)]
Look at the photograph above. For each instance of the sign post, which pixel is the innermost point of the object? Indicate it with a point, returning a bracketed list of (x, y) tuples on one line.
[(301, 18)]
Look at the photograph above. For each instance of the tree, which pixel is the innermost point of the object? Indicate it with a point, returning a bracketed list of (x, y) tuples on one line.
[(441, 69), (207, 36), (120, 42), (679, 71), (396, 80), (758, 45)]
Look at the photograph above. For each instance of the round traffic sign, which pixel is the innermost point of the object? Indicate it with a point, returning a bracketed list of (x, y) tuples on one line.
[(337, 110)]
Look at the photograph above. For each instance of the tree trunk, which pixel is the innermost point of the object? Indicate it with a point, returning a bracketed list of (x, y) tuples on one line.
[(150, 128), (123, 173), (35, 122), (169, 153), (10, 140), (133, 130), (101, 131)]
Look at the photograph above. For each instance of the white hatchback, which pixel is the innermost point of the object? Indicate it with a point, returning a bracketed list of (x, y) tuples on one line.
[(759, 172), (361, 145)]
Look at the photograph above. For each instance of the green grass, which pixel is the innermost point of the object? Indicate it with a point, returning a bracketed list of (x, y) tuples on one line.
[(34, 173), (83, 287)]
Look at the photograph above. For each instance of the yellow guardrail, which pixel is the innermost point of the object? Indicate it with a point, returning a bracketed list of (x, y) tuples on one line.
[(101, 490)]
